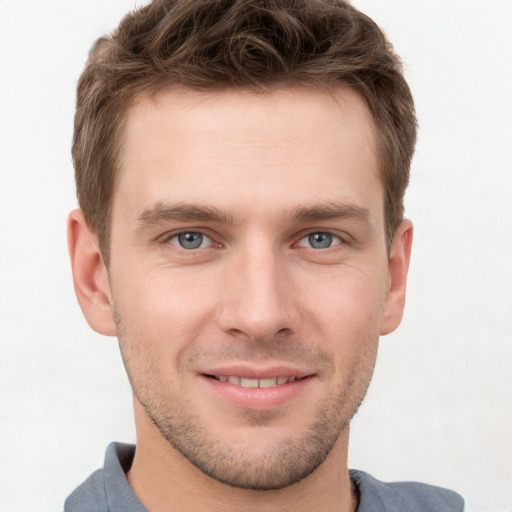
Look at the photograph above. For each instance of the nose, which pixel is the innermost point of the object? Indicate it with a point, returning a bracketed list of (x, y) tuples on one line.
[(259, 303)]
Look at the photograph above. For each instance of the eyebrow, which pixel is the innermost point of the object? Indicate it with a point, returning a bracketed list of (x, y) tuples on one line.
[(328, 211), (161, 213)]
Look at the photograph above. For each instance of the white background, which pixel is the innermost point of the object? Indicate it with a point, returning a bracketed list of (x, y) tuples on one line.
[(439, 409)]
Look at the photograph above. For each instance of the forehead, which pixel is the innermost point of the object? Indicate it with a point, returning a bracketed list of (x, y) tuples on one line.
[(239, 147)]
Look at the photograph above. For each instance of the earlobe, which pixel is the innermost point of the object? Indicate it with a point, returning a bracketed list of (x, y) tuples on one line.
[(90, 276), (398, 266)]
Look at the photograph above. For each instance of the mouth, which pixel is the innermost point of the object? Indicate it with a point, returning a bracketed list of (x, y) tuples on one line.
[(258, 389), (258, 386), (246, 382)]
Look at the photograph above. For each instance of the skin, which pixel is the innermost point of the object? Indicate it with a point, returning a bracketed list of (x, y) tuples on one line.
[(256, 176)]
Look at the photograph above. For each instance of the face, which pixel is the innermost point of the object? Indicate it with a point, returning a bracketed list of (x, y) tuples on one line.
[(249, 275)]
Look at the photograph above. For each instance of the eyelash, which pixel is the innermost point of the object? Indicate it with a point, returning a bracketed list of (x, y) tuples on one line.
[(168, 238), (333, 236)]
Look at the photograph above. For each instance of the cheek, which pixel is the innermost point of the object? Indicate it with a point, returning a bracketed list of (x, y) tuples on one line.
[(348, 300), (345, 315), (166, 309)]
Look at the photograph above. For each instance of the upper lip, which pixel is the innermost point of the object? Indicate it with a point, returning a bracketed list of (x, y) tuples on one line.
[(251, 372)]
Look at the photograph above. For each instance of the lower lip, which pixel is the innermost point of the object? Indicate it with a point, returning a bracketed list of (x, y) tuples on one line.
[(258, 399)]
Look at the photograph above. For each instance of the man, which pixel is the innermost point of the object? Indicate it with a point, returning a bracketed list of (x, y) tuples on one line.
[(240, 168)]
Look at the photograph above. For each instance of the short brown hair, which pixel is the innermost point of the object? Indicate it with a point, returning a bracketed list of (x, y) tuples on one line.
[(219, 44)]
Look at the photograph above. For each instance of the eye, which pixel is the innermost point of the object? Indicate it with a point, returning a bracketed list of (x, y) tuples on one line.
[(190, 240), (320, 240)]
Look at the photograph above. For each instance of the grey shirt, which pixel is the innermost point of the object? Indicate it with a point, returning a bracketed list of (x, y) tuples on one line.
[(107, 490)]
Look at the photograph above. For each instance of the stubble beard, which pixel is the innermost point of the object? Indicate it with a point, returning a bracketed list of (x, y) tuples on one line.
[(281, 462)]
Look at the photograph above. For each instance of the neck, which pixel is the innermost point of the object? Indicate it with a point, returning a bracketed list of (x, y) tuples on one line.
[(164, 480)]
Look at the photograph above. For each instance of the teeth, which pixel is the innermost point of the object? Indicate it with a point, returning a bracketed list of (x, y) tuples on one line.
[(249, 383), (268, 383), (255, 383)]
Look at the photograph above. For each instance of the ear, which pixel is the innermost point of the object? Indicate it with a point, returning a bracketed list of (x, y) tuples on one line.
[(398, 265), (90, 276)]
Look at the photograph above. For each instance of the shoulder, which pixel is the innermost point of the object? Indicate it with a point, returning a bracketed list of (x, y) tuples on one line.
[(377, 496), (90, 496), (107, 489)]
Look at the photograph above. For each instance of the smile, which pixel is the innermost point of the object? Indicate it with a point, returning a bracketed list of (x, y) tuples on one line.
[(255, 383), (257, 389)]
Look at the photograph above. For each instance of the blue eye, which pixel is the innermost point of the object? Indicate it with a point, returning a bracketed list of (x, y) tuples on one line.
[(320, 240), (190, 240)]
